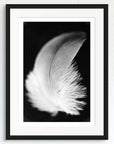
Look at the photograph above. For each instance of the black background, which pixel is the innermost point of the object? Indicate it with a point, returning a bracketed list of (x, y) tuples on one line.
[(36, 34)]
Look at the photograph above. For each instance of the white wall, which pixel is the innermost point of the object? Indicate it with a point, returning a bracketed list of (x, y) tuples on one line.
[(2, 69)]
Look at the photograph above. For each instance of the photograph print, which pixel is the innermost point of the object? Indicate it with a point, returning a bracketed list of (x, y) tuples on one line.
[(56, 71)]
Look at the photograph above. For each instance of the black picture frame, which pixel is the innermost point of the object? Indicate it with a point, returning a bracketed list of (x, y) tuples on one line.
[(57, 137)]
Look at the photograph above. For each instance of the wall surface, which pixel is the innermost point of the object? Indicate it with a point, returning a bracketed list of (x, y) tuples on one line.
[(2, 69)]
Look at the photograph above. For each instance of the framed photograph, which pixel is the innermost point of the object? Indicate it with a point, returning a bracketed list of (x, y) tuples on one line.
[(57, 72)]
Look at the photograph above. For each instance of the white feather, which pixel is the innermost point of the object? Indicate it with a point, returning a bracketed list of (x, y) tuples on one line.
[(54, 84)]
